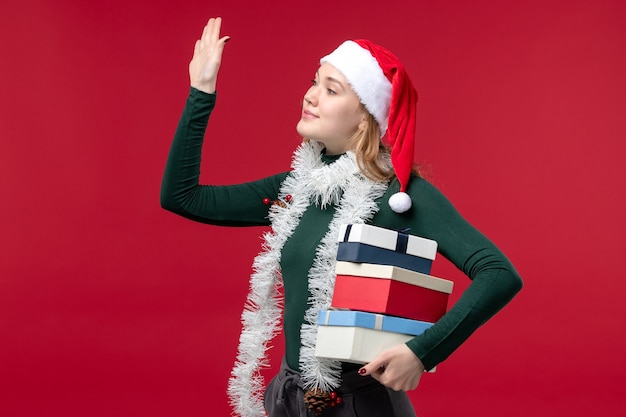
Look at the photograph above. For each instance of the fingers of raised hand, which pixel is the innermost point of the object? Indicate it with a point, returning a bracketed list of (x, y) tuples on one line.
[(214, 30), (211, 32), (207, 56), (206, 32), (210, 41)]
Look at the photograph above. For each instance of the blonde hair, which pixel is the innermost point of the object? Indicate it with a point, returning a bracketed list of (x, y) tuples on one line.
[(372, 155)]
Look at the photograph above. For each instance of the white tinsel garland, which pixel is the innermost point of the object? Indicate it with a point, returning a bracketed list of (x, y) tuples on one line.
[(310, 182)]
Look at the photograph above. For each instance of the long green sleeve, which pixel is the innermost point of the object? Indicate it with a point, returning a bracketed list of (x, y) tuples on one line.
[(181, 193), (494, 280)]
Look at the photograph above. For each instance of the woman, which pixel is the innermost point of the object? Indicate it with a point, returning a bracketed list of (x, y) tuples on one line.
[(343, 172)]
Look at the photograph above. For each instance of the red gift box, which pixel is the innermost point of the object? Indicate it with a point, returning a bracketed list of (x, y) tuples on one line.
[(390, 290)]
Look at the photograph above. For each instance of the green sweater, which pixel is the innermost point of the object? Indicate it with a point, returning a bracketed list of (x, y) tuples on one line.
[(494, 280)]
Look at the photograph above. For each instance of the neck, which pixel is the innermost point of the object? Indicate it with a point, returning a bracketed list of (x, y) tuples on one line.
[(335, 150)]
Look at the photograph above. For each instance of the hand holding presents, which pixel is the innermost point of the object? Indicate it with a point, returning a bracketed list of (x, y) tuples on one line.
[(397, 368)]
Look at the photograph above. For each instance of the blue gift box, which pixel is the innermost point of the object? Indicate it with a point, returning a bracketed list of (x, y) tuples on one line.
[(377, 245), (358, 337), (351, 318)]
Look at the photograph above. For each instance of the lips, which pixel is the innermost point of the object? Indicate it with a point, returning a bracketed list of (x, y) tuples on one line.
[(308, 114)]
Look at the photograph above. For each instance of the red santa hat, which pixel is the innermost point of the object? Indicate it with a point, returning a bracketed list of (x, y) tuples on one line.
[(384, 88)]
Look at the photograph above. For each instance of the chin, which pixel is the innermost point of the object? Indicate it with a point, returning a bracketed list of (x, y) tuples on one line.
[(304, 132), (299, 128)]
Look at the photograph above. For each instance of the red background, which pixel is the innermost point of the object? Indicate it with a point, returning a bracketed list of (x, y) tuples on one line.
[(110, 306)]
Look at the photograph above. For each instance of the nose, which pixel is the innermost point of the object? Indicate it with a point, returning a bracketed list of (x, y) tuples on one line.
[(311, 95)]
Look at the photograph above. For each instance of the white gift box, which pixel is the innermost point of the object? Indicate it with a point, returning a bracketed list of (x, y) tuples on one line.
[(377, 245), (358, 337)]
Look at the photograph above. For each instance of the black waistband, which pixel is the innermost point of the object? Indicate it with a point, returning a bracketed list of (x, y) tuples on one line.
[(351, 381)]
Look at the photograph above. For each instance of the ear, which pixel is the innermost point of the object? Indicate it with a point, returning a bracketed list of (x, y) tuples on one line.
[(364, 123)]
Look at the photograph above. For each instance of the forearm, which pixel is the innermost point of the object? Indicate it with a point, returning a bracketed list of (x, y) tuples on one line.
[(181, 192), (494, 279), (489, 291), (180, 182)]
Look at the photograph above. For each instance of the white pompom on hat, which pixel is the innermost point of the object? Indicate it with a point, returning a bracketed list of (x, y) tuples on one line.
[(384, 88)]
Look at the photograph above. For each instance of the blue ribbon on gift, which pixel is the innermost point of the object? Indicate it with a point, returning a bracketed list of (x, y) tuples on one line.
[(362, 252), (402, 242), (347, 235)]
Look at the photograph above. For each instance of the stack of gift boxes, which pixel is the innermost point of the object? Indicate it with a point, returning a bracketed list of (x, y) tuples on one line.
[(383, 295)]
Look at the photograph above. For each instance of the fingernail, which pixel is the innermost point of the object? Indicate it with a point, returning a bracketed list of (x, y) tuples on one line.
[(362, 371)]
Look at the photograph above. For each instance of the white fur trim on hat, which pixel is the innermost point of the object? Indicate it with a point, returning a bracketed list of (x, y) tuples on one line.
[(400, 202), (366, 77)]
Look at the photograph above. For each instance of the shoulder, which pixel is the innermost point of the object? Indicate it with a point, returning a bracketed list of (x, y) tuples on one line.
[(420, 189), (426, 198)]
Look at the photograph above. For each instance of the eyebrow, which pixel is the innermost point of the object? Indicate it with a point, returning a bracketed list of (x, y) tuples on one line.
[(335, 81), (332, 80)]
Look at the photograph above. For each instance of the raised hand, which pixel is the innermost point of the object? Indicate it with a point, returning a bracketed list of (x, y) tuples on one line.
[(207, 57)]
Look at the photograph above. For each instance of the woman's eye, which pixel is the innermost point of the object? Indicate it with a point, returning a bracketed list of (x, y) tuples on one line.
[(331, 92), (314, 82)]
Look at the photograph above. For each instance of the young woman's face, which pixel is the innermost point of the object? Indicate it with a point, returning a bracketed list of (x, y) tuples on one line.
[(331, 111)]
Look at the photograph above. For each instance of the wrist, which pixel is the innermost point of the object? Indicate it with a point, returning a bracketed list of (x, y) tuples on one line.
[(202, 94), (208, 88)]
